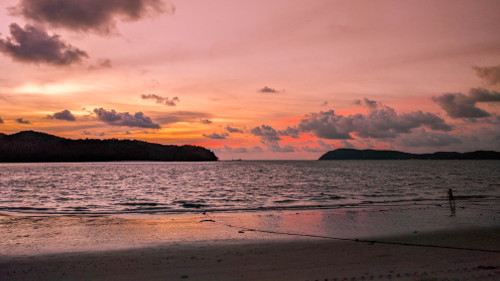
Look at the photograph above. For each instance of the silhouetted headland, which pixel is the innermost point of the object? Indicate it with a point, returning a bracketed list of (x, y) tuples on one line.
[(370, 154), (30, 146)]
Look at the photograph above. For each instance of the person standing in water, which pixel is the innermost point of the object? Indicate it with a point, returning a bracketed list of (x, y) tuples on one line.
[(452, 201), (450, 196)]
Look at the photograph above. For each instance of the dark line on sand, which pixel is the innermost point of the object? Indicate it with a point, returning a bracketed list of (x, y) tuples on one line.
[(364, 241)]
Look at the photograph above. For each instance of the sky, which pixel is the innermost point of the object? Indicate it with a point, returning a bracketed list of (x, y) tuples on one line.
[(280, 79)]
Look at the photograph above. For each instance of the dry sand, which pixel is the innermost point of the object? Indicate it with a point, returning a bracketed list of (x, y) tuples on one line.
[(306, 245)]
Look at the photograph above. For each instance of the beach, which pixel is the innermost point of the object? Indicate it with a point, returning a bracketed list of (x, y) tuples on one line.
[(249, 140), (389, 243)]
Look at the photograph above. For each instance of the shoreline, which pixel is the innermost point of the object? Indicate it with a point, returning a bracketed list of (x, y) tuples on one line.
[(487, 205), (33, 234), (413, 243)]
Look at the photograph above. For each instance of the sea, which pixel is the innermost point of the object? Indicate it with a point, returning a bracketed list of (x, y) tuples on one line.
[(233, 186)]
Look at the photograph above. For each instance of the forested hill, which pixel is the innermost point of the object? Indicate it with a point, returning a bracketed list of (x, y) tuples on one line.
[(30, 146), (369, 154)]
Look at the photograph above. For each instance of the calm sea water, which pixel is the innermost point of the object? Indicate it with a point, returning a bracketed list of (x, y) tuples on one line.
[(155, 187)]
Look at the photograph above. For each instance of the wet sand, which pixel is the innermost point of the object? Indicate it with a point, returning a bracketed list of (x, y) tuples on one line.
[(375, 244)]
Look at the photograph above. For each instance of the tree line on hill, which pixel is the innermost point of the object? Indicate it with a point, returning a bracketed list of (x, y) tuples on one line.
[(370, 154), (30, 146)]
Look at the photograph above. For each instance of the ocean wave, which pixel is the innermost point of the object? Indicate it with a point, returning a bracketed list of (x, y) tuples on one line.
[(115, 188), (139, 204)]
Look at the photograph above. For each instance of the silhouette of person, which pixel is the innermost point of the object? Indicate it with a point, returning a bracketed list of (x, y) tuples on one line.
[(450, 196), (452, 201)]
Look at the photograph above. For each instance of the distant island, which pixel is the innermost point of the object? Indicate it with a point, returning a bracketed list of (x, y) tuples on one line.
[(370, 154), (31, 146)]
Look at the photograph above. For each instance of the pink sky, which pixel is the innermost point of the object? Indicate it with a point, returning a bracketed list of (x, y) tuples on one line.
[(255, 79)]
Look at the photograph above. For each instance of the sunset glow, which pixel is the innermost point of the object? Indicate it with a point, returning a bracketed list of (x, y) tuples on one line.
[(256, 79)]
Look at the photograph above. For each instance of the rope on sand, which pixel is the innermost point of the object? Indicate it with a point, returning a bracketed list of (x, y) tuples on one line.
[(361, 240)]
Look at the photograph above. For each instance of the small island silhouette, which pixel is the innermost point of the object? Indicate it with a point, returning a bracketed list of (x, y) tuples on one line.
[(370, 154), (31, 146)]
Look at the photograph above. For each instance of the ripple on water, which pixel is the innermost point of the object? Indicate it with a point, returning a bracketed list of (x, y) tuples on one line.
[(125, 187)]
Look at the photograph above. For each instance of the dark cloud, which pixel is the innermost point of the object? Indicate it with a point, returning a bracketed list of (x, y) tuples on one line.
[(104, 63), (216, 136), (97, 134), (233, 130), (235, 149), (371, 104), (256, 149), (275, 147), (323, 147), (125, 119), (101, 63), (34, 45), (206, 121), (380, 122), (161, 100), (230, 150), (183, 116), (313, 149), (266, 89), (88, 15), (22, 121), (290, 132), (424, 138), (325, 103), (63, 115), (458, 105), (266, 133), (270, 138), (328, 125), (1, 120), (491, 75), (483, 95), (347, 144)]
